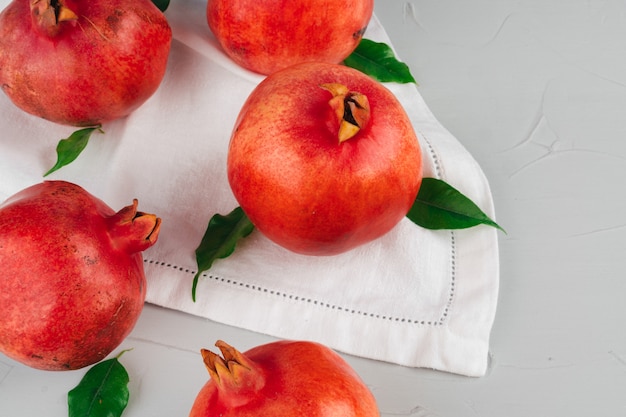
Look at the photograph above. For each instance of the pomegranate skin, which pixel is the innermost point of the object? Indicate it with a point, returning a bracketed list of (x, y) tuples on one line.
[(299, 185), (99, 66), (72, 284), (269, 35), (284, 378)]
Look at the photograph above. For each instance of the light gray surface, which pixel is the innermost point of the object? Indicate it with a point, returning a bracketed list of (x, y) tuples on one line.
[(536, 91)]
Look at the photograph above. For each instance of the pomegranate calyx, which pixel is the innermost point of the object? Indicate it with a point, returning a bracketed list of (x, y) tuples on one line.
[(48, 14), (234, 374), (351, 108), (133, 231)]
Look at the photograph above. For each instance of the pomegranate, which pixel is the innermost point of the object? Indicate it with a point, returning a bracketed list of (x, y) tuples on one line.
[(72, 284), (268, 35), (82, 62), (323, 159), (284, 378)]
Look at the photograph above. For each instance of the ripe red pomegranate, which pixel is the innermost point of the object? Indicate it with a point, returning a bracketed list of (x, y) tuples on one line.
[(323, 159), (285, 378), (268, 35), (82, 62), (72, 283)]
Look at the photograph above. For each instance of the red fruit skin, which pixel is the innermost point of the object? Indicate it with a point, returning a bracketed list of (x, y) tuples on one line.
[(298, 185), (289, 379), (99, 67), (268, 35), (72, 283)]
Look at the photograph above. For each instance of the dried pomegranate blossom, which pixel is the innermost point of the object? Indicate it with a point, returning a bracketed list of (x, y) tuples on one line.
[(48, 15), (285, 378)]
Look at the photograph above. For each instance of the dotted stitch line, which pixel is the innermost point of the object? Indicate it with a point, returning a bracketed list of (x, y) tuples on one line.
[(297, 297), (438, 170)]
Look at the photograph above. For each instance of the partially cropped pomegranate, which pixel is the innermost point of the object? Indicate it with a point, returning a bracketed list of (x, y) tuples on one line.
[(284, 378), (72, 283), (323, 159), (79, 62), (268, 35)]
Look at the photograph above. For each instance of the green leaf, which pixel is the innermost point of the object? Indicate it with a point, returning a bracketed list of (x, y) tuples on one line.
[(69, 149), (440, 206), (377, 60), (103, 391), (219, 240), (161, 4)]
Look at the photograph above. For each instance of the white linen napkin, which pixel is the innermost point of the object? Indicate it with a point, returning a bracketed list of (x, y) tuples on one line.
[(414, 297)]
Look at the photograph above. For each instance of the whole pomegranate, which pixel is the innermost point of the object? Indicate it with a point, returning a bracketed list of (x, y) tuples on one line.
[(323, 159), (72, 283), (79, 62), (267, 35), (284, 378)]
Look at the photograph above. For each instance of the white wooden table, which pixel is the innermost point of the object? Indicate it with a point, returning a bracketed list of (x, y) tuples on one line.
[(536, 91)]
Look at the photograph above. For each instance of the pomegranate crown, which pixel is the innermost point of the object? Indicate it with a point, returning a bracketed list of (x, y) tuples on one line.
[(233, 373), (47, 15), (133, 231)]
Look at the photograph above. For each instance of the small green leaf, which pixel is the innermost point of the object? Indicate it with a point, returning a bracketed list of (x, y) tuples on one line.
[(377, 60), (440, 206), (69, 149), (219, 240), (162, 5), (103, 391)]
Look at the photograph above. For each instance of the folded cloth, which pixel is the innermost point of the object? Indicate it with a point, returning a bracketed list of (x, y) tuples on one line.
[(414, 297)]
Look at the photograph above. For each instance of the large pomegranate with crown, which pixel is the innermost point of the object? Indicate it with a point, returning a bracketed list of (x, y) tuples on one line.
[(323, 159), (72, 284)]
